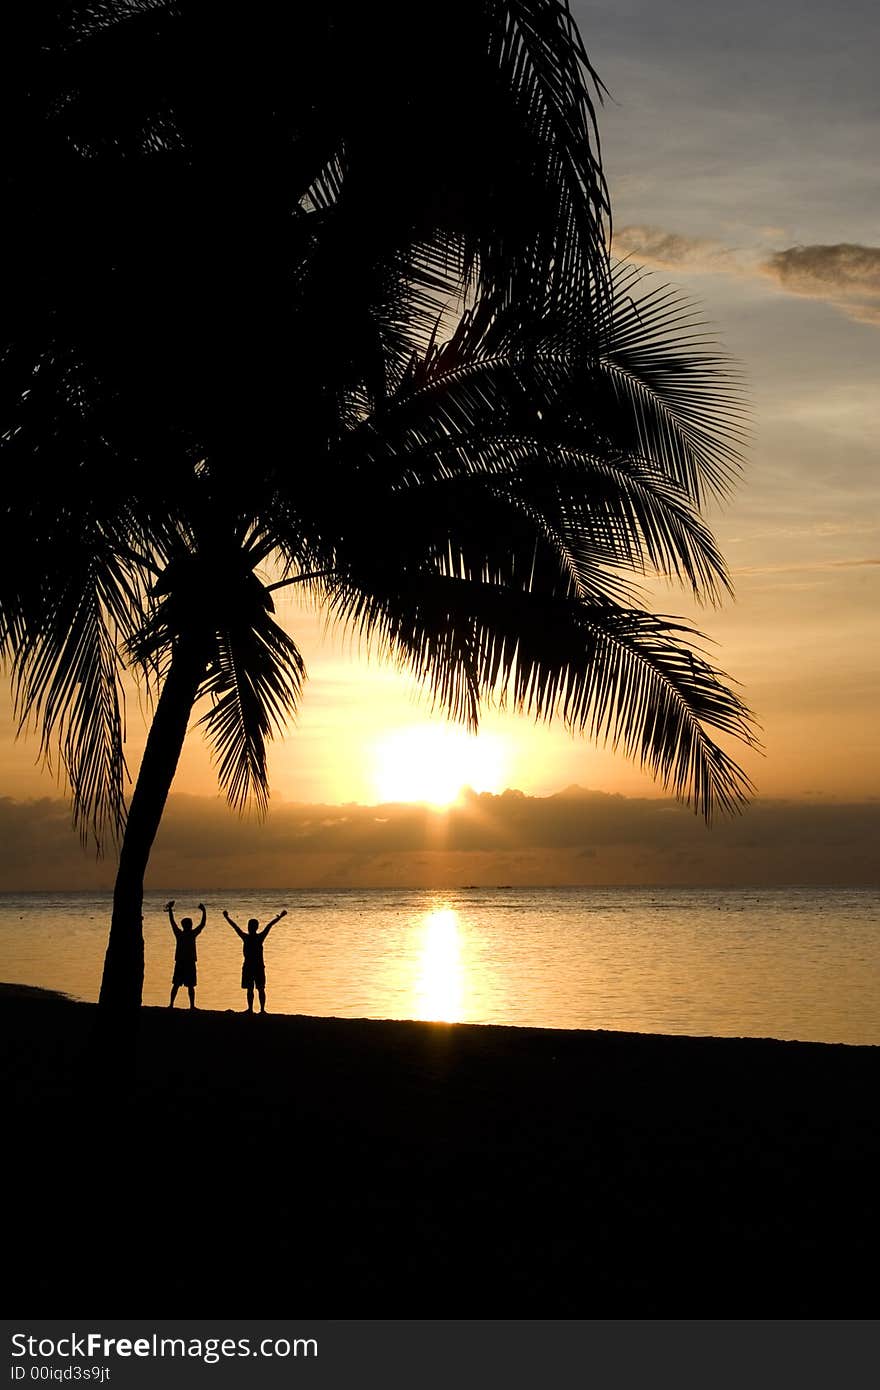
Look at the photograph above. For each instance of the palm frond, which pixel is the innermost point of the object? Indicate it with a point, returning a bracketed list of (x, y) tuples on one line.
[(483, 427), (255, 684), (617, 674), (538, 50), (603, 516), (668, 392), (65, 641)]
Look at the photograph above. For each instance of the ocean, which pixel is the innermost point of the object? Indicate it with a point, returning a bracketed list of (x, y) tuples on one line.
[(794, 962)]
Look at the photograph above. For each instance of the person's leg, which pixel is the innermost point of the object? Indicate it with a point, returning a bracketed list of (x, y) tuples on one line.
[(190, 989), (262, 994), (250, 999), (174, 989)]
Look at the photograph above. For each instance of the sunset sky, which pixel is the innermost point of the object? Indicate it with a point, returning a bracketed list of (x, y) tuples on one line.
[(740, 147)]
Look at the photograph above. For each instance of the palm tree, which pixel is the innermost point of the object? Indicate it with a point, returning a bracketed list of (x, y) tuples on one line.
[(426, 399)]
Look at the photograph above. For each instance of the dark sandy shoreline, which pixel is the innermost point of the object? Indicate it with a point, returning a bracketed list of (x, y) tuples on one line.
[(292, 1165)]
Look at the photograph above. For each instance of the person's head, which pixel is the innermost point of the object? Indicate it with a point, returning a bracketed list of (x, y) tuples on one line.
[(186, 923), (252, 925)]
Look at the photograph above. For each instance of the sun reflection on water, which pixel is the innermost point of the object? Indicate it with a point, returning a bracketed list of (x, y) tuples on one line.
[(439, 987)]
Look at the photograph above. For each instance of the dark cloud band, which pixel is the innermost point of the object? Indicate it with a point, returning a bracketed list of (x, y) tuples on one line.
[(574, 837)]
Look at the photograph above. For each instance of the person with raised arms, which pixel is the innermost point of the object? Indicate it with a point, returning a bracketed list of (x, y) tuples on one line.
[(184, 953), (253, 967)]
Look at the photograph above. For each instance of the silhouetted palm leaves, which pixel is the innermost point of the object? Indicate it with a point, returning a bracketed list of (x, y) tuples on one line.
[(327, 290)]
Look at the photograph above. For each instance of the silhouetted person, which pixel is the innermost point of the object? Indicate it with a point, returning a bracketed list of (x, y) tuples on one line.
[(184, 954), (253, 968)]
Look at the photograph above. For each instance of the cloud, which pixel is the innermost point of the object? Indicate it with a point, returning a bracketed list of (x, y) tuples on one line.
[(813, 566), (655, 246), (574, 837), (845, 275)]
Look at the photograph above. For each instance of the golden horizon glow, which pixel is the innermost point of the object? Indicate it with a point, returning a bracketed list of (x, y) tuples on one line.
[(432, 764)]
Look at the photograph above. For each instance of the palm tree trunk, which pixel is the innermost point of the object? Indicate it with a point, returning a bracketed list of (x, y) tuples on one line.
[(123, 980)]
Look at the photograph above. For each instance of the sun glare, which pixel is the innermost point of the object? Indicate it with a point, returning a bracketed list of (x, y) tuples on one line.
[(432, 763), (439, 993)]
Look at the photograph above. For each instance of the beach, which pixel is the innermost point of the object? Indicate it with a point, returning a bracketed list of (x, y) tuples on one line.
[(281, 1165)]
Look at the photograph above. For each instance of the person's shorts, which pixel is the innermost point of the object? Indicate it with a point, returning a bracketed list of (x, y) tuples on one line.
[(185, 974), (253, 977)]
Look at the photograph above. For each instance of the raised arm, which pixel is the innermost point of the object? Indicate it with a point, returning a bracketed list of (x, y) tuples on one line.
[(169, 908), (269, 925), (234, 925), (204, 919)]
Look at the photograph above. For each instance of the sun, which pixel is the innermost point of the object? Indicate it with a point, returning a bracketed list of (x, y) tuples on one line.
[(431, 763)]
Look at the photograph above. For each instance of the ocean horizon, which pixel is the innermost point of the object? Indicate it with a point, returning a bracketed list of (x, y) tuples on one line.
[(793, 963)]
